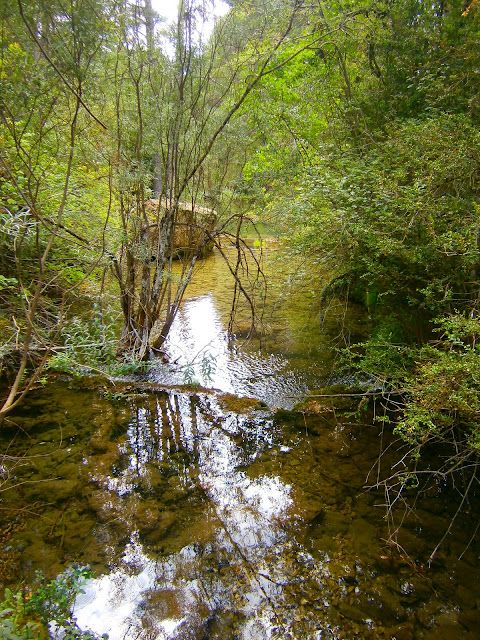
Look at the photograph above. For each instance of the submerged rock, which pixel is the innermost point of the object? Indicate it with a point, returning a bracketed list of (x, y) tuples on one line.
[(156, 525), (337, 397), (242, 405), (58, 491)]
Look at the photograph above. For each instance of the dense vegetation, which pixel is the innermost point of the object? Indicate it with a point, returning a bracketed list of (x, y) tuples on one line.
[(378, 171), (352, 129)]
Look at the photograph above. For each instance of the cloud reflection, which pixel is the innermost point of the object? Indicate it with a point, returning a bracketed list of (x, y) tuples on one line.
[(170, 595)]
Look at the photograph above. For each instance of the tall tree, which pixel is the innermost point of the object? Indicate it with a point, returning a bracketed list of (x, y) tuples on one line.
[(197, 95)]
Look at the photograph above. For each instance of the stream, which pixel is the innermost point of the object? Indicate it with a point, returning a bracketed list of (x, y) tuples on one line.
[(219, 512)]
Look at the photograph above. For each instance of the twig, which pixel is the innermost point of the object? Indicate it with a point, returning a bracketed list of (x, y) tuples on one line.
[(469, 542), (432, 555), (58, 518), (355, 395)]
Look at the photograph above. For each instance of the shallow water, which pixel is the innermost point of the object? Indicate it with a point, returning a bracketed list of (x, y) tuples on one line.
[(290, 354), (207, 516)]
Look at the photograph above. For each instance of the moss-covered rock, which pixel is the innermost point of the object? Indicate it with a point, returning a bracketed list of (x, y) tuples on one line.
[(230, 402)]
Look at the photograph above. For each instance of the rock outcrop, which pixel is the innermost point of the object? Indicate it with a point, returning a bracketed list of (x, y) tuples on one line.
[(192, 227)]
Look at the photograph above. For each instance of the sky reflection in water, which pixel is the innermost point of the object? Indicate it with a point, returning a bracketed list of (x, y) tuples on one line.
[(198, 334), (245, 512)]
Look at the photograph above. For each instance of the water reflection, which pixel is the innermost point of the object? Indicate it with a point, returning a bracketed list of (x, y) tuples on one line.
[(200, 351), (177, 593), (293, 353), (203, 522)]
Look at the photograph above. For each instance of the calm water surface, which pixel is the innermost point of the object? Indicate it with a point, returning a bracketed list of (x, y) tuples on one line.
[(208, 516)]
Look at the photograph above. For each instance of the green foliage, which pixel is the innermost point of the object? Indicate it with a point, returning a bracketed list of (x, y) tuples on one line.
[(207, 366), (91, 345), (14, 623), (89, 342), (443, 399), (7, 283), (26, 615), (207, 370), (189, 376), (127, 365), (425, 55), (395, 223), (383, 361)]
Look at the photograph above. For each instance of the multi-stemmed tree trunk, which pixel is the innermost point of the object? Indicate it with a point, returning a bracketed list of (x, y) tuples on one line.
[(196, 96)]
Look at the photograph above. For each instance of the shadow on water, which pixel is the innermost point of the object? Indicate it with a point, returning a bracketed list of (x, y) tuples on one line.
[(208, 516)]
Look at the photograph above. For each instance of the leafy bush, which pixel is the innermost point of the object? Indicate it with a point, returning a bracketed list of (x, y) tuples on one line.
[(443, 400), (89, 342), (26, 615), (400, 219), (439, 382), (91, 346)]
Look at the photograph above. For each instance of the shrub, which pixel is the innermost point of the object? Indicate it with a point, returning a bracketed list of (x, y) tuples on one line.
[(26, 615)]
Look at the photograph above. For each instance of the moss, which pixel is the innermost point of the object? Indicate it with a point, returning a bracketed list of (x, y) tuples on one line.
[(230, 402)]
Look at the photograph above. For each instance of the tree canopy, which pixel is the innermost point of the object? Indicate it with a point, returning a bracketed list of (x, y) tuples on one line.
[(352, 129)]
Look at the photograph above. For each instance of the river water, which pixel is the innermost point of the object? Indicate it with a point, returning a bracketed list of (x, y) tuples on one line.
[(205, 514), (288, 354)]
